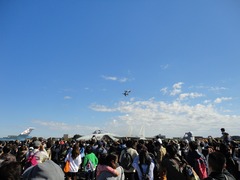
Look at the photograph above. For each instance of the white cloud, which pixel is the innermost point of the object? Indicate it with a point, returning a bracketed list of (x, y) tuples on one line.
[(211, 88), (171, 119), (61, 128), (67, 97), (207, 101), (217, 88), (190, 95), (164, 66), (219, 100), (101, 108), (123, 79), (178, 85), (177, 89), (113, 78), (164, 90), (53, 125)]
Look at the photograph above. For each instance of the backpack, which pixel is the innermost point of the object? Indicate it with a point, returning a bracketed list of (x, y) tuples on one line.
[(201, 167), (126, 160), (89, 167), (187, 170), (189, 173), (31, 160)]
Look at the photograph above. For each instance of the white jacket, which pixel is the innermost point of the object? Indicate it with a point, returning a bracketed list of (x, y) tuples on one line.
[(74, 163)]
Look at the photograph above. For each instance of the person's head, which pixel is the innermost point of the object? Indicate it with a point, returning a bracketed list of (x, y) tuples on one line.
[(193, 145), (224, 149), (111, 160), (8, 157), (157, 144), (102, 159), (23, 148), (129, 143), (10, 171), (75, 151), (222, 130), (7, 149), (141, 141), (216, 162), (41, 147), (47, 170), (36, 144), (144, 157), (88, 149), (172, 150), (141, 147), (101, 144), (49, 143), (184, 144)]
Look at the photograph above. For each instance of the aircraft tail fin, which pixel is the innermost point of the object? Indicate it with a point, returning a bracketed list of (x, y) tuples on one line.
[(27, 131)]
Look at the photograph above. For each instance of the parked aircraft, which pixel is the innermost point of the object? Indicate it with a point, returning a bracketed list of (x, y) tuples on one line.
[(21, 137), (98, 135)]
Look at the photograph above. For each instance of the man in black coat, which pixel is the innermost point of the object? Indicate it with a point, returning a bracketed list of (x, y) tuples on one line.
[(216, 167)]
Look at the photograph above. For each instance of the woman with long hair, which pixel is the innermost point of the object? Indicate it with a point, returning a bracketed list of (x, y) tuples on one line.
[(75, 160), (144, 165)]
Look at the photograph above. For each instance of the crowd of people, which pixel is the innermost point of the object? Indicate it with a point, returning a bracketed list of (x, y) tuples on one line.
[(154, 159)]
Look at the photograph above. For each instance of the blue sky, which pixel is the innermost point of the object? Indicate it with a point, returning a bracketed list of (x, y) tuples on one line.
[(65, 64)]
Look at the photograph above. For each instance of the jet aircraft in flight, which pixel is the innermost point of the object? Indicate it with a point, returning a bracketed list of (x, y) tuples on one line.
[(126, 92)]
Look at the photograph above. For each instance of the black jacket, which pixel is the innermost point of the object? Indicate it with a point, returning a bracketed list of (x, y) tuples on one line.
[(220, 176)]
